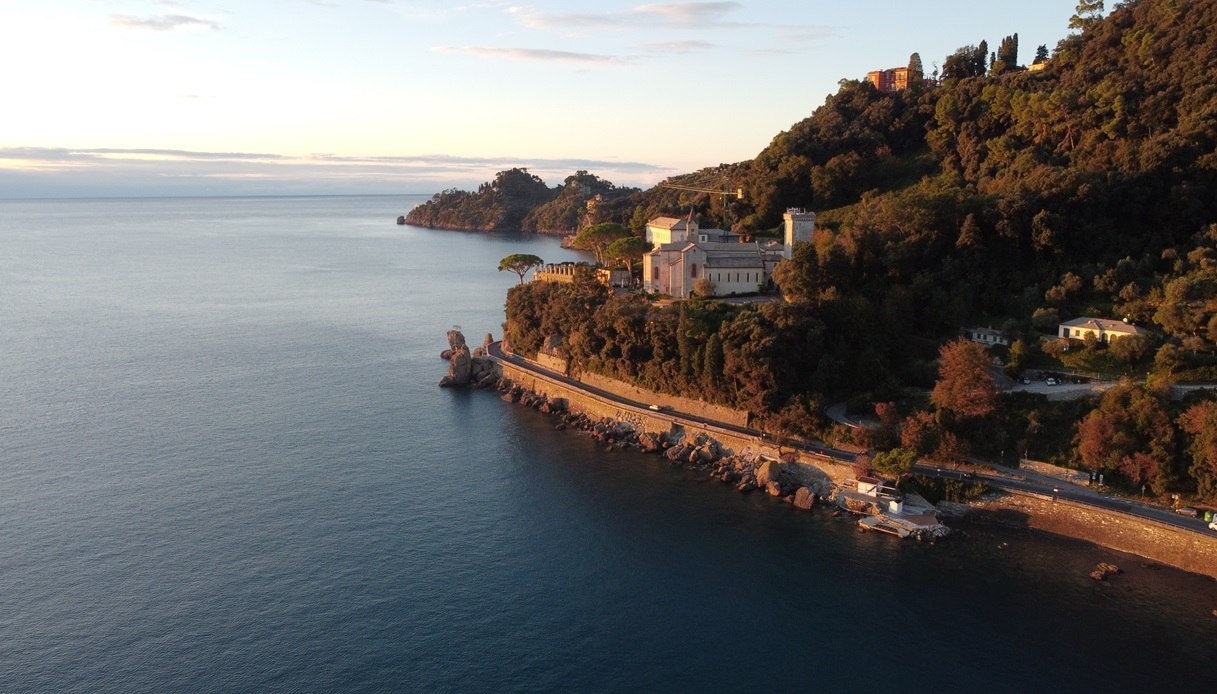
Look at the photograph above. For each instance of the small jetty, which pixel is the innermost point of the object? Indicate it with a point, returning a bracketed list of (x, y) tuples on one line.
[(888, 510)]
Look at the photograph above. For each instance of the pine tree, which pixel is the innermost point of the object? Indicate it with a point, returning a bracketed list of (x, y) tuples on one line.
[(1088, 13)]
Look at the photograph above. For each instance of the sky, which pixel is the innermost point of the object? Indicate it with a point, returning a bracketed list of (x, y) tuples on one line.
[(224, 97)]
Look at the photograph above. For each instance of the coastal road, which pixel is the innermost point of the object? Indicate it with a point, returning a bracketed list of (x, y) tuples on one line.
[(1024, 482), (1048, 487)]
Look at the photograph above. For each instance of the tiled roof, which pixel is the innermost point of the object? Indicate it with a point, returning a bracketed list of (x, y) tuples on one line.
[(1107, 325)]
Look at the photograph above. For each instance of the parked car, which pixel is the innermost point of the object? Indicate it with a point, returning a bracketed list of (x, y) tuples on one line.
[(1188, 511), (1050, 381), (1026, 381), (1213, 524)]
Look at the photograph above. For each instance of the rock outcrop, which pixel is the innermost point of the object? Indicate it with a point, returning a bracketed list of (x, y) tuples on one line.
[(466, 368)]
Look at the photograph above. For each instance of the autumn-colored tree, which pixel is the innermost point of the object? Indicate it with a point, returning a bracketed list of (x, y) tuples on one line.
[(1096, 434), (951, 449), (1199, 422), (920, 432), (1131, 433), (965, 387)]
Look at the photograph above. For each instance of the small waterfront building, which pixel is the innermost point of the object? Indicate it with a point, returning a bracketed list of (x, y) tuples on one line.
[(1103, 329)]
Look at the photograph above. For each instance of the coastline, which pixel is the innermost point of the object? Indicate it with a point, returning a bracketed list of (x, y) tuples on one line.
[(729, 461)]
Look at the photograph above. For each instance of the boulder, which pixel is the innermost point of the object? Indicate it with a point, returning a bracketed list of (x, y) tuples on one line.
[(650, 443), (768, 471), (675, 453), (804, 499), (401, 219), (456, 339), (487, 341), (772, 488)]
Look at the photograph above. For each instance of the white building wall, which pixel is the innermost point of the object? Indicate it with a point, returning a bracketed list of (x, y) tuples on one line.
[(800, 226)]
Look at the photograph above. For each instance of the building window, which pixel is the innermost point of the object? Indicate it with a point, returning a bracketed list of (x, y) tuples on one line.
[(693, 270), (655, 273)]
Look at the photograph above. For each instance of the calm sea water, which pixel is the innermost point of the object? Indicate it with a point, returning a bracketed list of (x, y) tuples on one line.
[(225, 466)]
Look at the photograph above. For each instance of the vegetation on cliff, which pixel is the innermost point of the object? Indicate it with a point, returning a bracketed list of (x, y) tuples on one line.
[(996, 196), (517, 200)]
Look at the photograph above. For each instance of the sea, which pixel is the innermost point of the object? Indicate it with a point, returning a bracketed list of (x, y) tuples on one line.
[(226, 466)]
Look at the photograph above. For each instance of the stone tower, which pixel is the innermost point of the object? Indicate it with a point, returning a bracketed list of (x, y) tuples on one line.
[(800, 226)]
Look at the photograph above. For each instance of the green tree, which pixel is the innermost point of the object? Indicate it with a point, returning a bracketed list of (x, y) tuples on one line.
[(597, 237), (916, 70), (799, 276), (638, 221), (1087, 14), (1041, 54), (1007, 55), (520, 263), (897, 462), (628, 251)]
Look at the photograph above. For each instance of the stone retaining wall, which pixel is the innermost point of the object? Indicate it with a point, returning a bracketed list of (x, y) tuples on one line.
[(1184, 549), (718, 413), (815, 467)]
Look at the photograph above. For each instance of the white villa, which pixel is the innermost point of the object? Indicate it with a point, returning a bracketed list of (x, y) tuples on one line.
[(987, 336), (684, 254), (1103, 329), (665, 230)]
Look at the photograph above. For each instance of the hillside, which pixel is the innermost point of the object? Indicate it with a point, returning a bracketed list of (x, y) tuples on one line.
[(519, 201), (996, 196)]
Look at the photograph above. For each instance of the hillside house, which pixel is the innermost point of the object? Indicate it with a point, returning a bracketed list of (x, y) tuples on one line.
[(1103, 329), (987, 336), (893, 79), (663, 230)]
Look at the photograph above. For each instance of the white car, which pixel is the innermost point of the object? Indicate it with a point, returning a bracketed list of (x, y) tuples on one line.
[(1213, 524), (1051, 381)]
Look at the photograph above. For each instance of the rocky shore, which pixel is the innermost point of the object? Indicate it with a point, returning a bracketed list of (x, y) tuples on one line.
[(747, 471)]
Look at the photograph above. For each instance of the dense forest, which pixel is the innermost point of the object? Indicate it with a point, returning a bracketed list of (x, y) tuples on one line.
[(519, 201), (988, 195)]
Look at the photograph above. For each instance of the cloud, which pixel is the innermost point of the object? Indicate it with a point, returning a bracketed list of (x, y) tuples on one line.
[(685, 15), (168, 22), (66, 172), (677, 46), (806, 34), (541, 54)]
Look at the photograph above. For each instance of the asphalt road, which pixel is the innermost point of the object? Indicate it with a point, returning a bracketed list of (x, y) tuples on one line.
[(1023, 482)]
